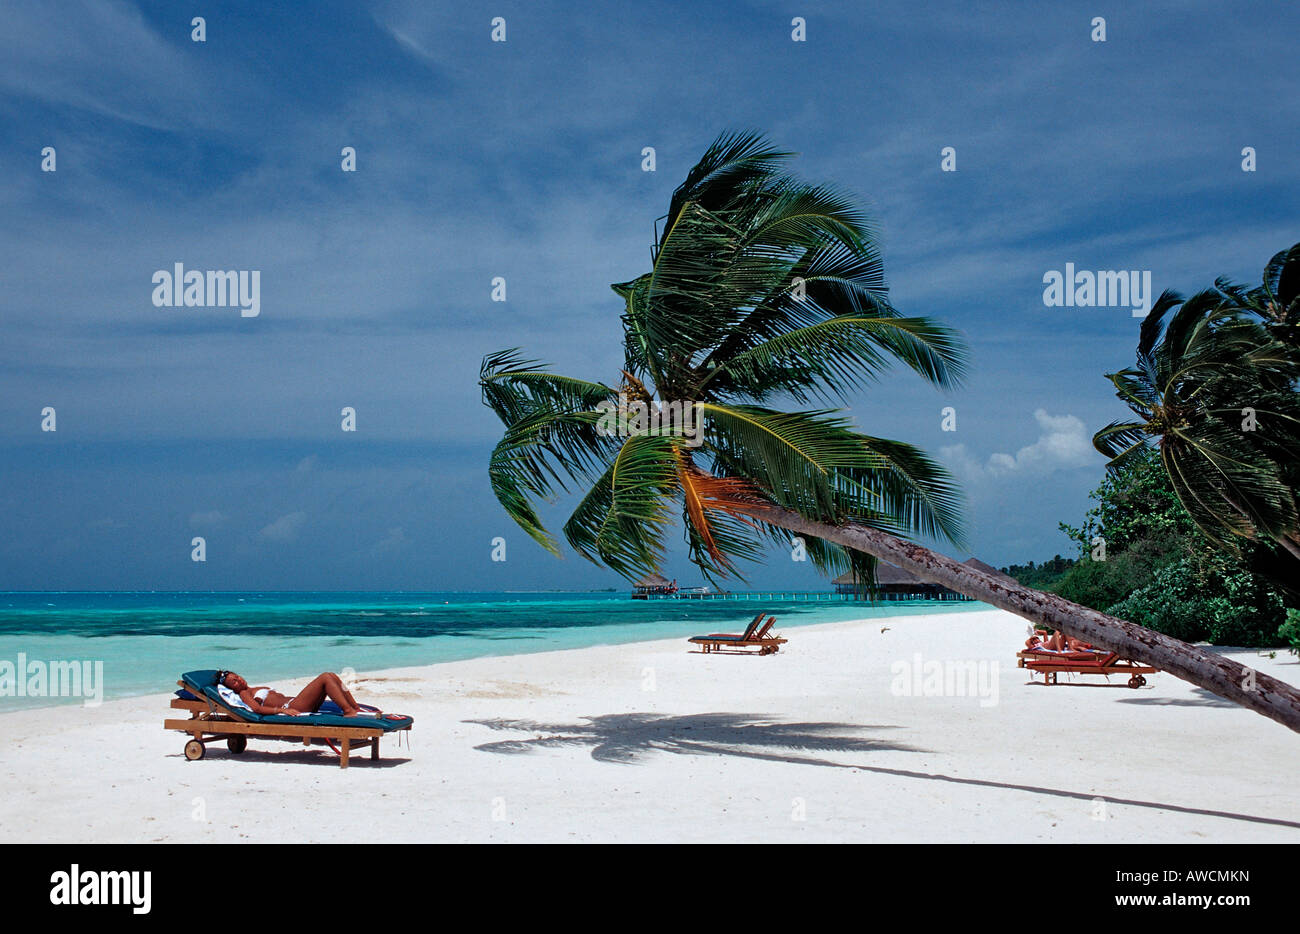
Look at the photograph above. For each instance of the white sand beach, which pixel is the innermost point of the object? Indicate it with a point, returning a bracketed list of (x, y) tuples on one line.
[(652, 742)]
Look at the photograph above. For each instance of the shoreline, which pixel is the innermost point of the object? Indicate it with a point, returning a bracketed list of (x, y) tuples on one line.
[(286, 654), (647, 741)]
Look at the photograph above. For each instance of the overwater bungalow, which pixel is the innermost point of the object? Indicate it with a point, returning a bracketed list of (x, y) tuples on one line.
[(653, 585)]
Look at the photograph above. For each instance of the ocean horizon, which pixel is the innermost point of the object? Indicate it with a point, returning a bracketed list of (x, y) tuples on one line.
[(146, 639)]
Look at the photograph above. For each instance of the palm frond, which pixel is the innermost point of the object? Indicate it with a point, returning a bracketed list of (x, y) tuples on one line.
[(1120, 440), (622, 520), (815, 464)]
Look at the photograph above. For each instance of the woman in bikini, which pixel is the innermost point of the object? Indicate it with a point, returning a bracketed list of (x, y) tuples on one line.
[(265, 700), (1056, 642)]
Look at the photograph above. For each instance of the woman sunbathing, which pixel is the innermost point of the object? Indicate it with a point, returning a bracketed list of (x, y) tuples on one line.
[(264, 700), (1056, 642)]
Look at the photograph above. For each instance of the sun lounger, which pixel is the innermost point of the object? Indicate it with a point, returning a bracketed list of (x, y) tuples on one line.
[(717, 637), (1049, 664), (747, 634), (212, 717), (752, 637)]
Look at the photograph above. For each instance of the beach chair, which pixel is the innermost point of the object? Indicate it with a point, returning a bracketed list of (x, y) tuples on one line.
[(1091, 662), (752, 637), (708, 641), (212, 718)]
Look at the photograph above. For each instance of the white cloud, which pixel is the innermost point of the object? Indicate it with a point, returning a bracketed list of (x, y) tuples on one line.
[(106, 57), (1063, 444), (284, 529)]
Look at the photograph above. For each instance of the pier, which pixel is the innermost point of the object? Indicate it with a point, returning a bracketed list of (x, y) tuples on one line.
[(799, 596)]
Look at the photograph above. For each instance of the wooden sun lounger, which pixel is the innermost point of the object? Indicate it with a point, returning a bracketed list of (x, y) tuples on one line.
[(747, 634), (732, 644), (209, 721), (1051, 664)]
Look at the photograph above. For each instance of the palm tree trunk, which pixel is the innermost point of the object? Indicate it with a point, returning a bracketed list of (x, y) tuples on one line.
[(1228, 679)]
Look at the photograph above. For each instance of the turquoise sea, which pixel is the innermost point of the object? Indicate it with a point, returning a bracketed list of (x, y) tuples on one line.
[(145, 640)]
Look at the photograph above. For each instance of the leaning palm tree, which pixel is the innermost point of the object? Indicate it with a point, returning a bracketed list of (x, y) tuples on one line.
[(1199, 370), (761, 289)]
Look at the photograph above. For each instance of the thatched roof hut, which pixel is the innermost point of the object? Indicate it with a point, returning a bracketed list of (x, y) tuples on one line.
[(654, 583), (987, 568), (893, 581)]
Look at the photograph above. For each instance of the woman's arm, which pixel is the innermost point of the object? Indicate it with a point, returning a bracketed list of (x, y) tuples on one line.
[(257, 706)]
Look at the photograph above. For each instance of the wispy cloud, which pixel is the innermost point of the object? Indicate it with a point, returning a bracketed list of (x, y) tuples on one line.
[(208, 520), (284, 529)]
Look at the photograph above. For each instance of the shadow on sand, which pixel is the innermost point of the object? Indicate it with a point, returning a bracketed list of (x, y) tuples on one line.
[(303, 755), (1203, 698), (626, 738)]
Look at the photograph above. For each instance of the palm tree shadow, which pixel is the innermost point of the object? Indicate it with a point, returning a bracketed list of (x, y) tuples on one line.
[(627, 737), (1203, 698)]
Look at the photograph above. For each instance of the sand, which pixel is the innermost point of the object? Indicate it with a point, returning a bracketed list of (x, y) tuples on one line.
[(650, 742)]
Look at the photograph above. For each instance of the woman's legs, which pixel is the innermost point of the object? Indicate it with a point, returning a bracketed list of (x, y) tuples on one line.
[(340, 690), (324, 685)]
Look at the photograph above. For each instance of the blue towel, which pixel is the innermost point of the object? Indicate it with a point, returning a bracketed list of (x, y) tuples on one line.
[(328, 706)]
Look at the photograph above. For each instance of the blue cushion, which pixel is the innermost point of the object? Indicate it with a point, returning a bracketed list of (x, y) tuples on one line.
[(203, 678)]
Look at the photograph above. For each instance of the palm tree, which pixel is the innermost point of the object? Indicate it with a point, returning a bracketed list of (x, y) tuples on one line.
[(1276, 301), (762, 288), (1196, 372), (1275, 304)]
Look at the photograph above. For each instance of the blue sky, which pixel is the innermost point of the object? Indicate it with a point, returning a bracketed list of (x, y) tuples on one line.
[(522, 159)]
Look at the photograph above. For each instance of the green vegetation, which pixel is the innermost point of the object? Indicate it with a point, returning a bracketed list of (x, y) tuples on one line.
[(1159, 570), (1043, 576), (1290, 631), (1213, 391), (1196, 530)]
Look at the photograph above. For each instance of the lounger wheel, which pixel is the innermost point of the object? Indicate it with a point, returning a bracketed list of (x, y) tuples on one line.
[(237, 744), (1136, 681), (194, 750)]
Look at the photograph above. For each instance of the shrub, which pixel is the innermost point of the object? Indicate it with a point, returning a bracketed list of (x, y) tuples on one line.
[(1099, 584), (1290, 631), (1208, 602)]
